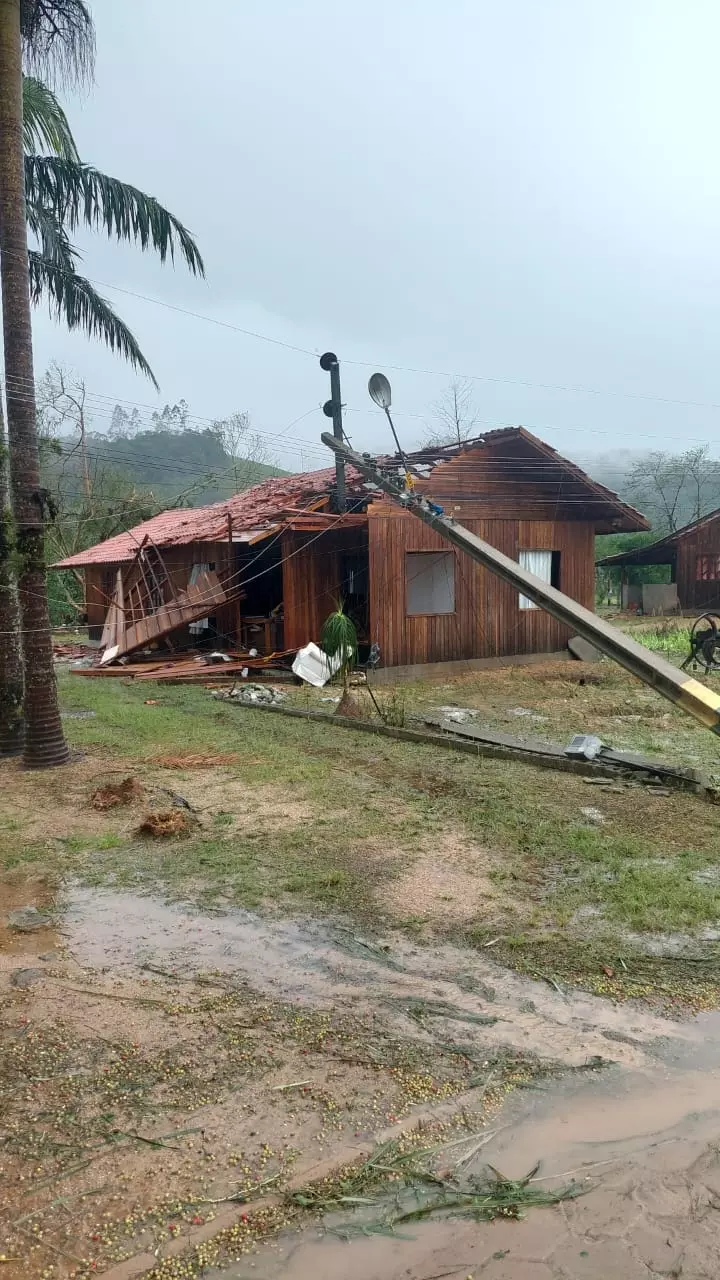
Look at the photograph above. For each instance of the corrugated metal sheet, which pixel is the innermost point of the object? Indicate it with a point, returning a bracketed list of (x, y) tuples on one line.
[(250, 510)]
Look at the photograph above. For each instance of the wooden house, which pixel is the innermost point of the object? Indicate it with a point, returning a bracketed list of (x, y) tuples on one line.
[(280, 556), (692, 555)]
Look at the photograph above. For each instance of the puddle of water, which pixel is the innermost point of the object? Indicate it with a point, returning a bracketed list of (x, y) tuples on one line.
[(307, 962), (644, 1130), (642, 1145)]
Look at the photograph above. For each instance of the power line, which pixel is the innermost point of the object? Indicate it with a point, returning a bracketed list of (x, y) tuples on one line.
[(399, 368)]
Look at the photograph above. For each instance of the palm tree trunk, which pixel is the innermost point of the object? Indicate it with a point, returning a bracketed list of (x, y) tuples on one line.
[(12, 729), (44, 740)]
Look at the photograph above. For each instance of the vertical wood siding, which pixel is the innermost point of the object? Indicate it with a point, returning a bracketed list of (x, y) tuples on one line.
[(487, 621), (312, 579), (704, 541)]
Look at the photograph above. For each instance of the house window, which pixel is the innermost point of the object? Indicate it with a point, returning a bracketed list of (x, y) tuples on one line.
[(545, 565), (708, 569), (430, 581)]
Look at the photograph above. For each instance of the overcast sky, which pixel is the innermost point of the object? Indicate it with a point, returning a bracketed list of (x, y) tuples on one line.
[(526, 191)]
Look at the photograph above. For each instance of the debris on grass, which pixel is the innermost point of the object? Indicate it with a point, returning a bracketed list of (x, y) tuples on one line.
[(251, 695), (584, 746), (117, 793), (419, 1008), (591, 814), (173, 822)]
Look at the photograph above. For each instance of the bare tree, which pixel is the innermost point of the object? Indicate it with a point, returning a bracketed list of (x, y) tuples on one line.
[(455, 414), (673, 489), (111, 504), (703, 482), (245, 448), (61, 400)]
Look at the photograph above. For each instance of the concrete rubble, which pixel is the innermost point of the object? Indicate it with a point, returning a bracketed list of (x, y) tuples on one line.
[(251, 694)]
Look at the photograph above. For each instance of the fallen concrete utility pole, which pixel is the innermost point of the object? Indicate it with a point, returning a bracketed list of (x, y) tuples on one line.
[(687, 692), (614, 766)]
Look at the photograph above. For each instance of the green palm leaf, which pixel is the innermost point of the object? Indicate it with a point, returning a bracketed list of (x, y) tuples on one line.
[(339, 640), (78, 194), (73, 299), (45, 125)]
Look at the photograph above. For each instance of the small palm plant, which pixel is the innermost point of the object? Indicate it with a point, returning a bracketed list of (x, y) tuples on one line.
[(339, 641)]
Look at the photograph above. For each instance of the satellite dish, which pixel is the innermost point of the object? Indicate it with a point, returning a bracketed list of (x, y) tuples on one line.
[(380, 390)]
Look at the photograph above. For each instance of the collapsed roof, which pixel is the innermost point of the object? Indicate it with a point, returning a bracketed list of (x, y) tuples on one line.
[(285, 499)]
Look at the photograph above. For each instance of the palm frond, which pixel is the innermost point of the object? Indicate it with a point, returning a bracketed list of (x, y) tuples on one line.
[(58, 38), (54, 242), (53, 239), (45, 125), (339, 640), (72, 298), (79, 194)]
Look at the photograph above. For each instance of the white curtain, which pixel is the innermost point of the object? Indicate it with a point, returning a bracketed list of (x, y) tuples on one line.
[(539, 563), (202, 624)]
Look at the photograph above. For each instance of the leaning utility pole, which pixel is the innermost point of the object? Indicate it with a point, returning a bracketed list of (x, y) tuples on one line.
[(333, 409), (689, 694)]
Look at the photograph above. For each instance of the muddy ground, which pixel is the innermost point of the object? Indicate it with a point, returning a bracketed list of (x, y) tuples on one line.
[(358, 977), (171, 1078)]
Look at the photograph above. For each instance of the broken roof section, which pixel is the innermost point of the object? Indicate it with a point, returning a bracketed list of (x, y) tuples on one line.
[(664, 550), (519, 458), (512, 468), (253, 514)]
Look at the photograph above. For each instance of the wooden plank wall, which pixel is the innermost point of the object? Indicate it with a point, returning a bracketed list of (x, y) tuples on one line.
[(312, 579), (507, 476), (701, 542), (487, 621)]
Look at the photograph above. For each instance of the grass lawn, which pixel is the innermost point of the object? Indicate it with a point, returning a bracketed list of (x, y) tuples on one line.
[(572, 879)]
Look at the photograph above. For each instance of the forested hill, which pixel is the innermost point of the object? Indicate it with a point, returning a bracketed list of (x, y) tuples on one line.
[(104, 484), (192, 465)]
